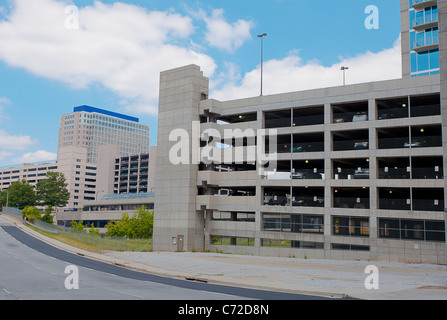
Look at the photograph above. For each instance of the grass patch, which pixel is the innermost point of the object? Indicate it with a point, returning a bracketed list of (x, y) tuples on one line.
[(69, 241), (97, 244)]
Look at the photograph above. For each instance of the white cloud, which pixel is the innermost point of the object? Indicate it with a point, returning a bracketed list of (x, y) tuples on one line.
[(226, 36), (3, 102), (124, 48), (5, 154), (293, 74), (20, 142), (120, 46), (37, 156)]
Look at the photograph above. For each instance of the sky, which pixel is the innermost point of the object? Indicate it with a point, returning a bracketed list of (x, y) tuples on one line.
[(58, 54)]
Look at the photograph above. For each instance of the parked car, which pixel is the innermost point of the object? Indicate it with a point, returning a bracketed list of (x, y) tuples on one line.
[(302, 148), (298, 149), (361, 145), (360, 116), (414, 143), (384, 116), (306, 174), (307, 201), (275, 198), (361, 173)]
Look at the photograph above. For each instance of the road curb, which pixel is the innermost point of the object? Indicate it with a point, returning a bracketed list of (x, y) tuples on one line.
[(141, 267)]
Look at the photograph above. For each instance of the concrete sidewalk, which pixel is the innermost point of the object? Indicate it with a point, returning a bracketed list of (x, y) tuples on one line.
[(322, 277), (333, 278)]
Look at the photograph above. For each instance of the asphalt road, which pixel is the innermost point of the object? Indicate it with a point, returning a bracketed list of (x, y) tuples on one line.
[(34, 270)]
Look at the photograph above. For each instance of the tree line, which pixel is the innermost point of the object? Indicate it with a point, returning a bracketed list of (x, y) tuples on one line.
[(49, 193), (139, 225), (52, 192)]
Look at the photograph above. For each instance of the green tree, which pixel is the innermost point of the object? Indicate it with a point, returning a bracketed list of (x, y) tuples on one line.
[(47, 217), (143, 223), (53, 191), (20, 194), (120, 228), (31, 213), (3, 196), (93, 230), (139, 226), (78, 225)]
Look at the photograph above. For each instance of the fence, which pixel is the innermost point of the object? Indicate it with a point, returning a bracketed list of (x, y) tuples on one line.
[(99, 241), (12, 211)]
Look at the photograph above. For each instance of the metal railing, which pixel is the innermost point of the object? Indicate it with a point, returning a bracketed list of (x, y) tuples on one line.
[(13, 211), (100, 241)]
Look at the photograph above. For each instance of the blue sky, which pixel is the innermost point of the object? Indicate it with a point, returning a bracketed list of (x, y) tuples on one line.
[(114, 58)]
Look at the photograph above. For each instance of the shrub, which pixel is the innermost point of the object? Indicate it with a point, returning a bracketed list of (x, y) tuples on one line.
[(31, 213)]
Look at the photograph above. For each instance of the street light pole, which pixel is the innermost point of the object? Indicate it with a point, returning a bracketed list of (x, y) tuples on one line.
[(262, 55), (344, 76)]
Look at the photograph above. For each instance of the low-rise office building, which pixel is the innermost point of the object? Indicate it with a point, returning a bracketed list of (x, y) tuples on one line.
[(30, 172), (124, 184), (106, 208)]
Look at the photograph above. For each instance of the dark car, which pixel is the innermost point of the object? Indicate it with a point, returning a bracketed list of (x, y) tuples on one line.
[(306, 174), (275, 198), (361, 173)]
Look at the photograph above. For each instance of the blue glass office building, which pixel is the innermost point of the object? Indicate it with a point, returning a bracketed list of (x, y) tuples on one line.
[(424, 37)]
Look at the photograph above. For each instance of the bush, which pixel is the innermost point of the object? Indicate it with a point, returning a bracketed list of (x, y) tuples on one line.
[(139, 226), (30, 214), (78, 226), (93, 230)]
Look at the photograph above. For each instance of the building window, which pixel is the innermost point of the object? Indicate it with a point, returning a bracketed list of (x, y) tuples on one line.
[(233, 216), (232, 241), (295, 223), (277, 243), (407, 229), (349, 247), (350, 226)]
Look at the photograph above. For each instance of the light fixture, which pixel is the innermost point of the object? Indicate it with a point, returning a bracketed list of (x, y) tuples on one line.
[(261, 36), (343, 68)]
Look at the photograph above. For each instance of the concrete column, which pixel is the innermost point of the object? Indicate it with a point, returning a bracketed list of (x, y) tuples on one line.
[(181, 90)]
